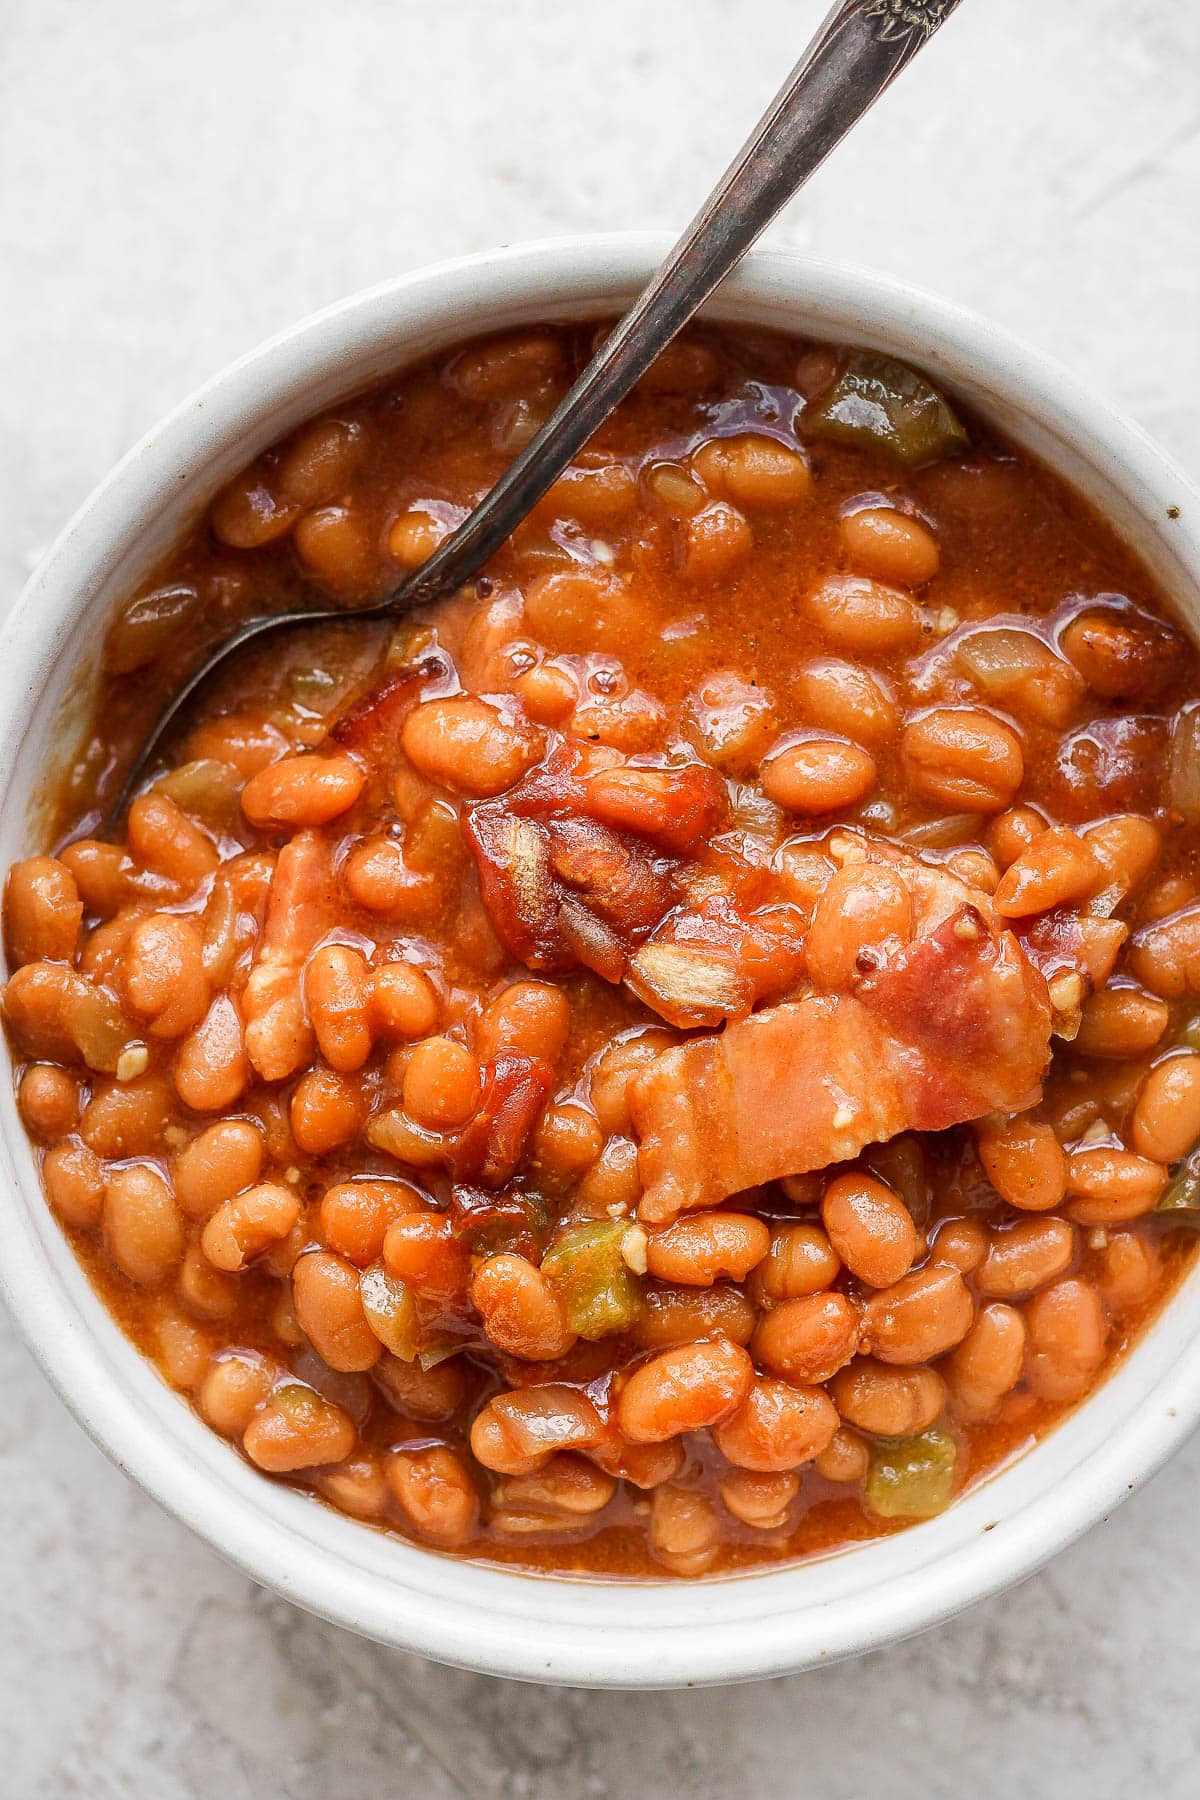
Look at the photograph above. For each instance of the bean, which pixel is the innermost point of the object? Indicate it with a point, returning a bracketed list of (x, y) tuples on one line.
[(753, 470), (336, 544), (248, 513), (961, 1243), (1122, 657), (441, 1084), (217, 1164), (378, 878), (300, 791), (463, 743), (356, 1216), (243, 741), (164, 982), (887, 1402), (48, 1099), (703, 1247), (1066, 1340), (684, 1315), (962, 758), (207, 1291), (211, 1067), (1109, 1186), (684, 1389), (161, 837), (236, 1385), (818, 775), (296, 1428), (431, 1395), (759, 1500), (567, 1142), (1025, 1256), (684, 1534), (73, 1177), (243, 1227), (808, 1339), (609, 1086), (864, 616), (1126, 846), (987, 1364), (1165, 956), (684, 367), (1121, 1022), (859, 906), (777, 1427), (1058, 869), (731, 720), (126, 1118), (329, 1307), (926, 1313), (1166, 1116), (565, 1491), (845, 1458), (146, 625), (401, 1002), (870, 1228), (1012, 833), (336, 993), (531, 1016), (849, 700), (642, 1465), (37, 1003), (518, 1432), (1129, 1272), (889, 545), (320, 461), (357, 1486), (714, 543), (517, 363), (42, 911), (421, 1250), (521, 1312), (1023, 1160), (99, 872), (143, 1229), (800, 1261), (599, 498), (327, 1111)]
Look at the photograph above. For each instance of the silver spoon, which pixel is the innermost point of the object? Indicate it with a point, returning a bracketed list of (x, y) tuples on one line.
[(858, 52)]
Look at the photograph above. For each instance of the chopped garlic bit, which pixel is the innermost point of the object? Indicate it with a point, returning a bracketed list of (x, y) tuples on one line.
[(175, 1137), (133, 1061), (603, 553), (843, 1117), (966, 928), (633, 1249), (292, 1175)]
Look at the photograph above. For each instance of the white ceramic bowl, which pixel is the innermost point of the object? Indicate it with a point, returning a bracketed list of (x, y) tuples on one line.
[(582, 1632)]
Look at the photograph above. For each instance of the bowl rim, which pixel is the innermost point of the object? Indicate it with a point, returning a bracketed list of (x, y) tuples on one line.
[(477, 1615)]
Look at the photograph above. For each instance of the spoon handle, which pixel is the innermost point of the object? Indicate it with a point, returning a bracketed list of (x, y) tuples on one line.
[(858, 52)]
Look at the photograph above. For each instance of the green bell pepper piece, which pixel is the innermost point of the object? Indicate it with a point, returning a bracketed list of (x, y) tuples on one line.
[(912, 1478), (881, 403)]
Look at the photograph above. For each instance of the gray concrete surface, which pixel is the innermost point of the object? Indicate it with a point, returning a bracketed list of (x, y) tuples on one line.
[(179, 178)]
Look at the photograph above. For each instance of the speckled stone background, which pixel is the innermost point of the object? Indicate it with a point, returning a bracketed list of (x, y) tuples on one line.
[(182, 177)]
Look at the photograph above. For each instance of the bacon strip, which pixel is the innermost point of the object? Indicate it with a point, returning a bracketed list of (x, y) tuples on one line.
[(300, 910), (950, 1026)]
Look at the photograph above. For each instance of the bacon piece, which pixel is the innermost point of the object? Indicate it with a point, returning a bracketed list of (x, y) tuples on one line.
[(515, 1089), (953, 1024), (372, 724), (300, 910)]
